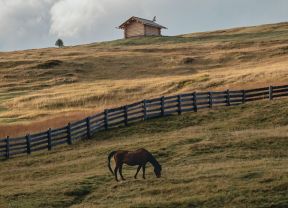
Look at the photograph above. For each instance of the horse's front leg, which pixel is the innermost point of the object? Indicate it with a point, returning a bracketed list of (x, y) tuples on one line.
[(120, 171), (138, 169), (143, 169)]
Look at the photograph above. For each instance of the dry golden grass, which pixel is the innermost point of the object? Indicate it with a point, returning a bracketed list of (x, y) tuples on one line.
[(227, 157), (37, 87)]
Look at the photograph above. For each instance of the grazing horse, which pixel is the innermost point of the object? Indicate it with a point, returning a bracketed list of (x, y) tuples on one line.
[(139, 157)]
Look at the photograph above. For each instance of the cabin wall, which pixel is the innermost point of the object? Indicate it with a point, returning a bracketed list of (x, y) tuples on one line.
[(152, 31), (134, 29)]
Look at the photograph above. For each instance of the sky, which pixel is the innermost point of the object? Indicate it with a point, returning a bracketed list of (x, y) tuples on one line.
[(26, 24)]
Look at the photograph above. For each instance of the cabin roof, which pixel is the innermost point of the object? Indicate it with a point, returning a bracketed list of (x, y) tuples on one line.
[(141, 20)]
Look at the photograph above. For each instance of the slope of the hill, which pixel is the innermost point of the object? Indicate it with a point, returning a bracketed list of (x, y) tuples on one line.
[(49, 87), (227, 157)]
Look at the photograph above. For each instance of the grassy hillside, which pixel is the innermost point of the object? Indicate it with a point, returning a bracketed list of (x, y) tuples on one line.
[(227, 157), (50, 87)]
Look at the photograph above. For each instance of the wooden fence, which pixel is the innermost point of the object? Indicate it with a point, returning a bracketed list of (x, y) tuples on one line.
[(125, 115)]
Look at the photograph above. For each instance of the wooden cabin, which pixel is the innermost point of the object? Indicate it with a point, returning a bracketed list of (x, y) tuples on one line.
[(139, 27)]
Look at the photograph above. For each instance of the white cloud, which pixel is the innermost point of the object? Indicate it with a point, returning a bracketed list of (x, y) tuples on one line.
[(71, 18)]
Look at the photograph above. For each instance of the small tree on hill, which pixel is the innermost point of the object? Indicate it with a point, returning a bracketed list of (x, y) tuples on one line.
[(59, 43)]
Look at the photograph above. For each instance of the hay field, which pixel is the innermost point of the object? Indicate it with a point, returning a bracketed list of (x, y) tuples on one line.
[(43, 88), (226, 157)]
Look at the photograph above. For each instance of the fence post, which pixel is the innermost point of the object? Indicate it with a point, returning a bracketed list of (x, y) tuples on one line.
[(210, 100), (179, 104), (144, 109), (162, 106), (28, 142), (228, 98), (7, 147), (69, 135), (49, 136), (270, 92), (195, 102), (88, 127), (243, 96), (126, 115), (106, 122)]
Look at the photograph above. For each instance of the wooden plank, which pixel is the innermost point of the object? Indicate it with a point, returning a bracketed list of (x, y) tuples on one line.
[(153, 105), (219, 97), (219, 101), (117, 113), (135, 108), (77, 123), (38, 144), (78, 130), (38, 148), (281, 95), (153, 100), (257, 89), (16, 139), (24, 143), (280, 90), (135, 118), (79, 136), (135, 113), (203, 103), (116, 118), (115, 110), (218, 93), (262, 94), (236, 95), (172, 106), (59, 143), (135, 104), (254, 99), (172, 97), (280, 87), (17, 148), (58, 131), (171, 102), (83, 125), (38, 138), (236, 100), (154, 110)]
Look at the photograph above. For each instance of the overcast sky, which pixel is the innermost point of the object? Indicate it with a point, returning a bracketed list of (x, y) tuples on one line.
[(28, 24)]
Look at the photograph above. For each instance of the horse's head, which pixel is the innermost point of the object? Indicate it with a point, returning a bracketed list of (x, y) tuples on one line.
[(157, 171)]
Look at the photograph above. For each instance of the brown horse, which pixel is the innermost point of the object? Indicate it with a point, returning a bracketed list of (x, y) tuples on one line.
[(139, 157)]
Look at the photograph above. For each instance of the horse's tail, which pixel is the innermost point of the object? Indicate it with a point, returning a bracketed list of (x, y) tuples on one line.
[(109, 159)]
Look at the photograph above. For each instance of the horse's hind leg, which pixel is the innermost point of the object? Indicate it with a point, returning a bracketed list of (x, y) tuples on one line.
[(120, 171), (115, 172), (138, 169)]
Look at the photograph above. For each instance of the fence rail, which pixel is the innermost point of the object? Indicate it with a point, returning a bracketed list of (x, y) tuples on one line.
[(125, 115)]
